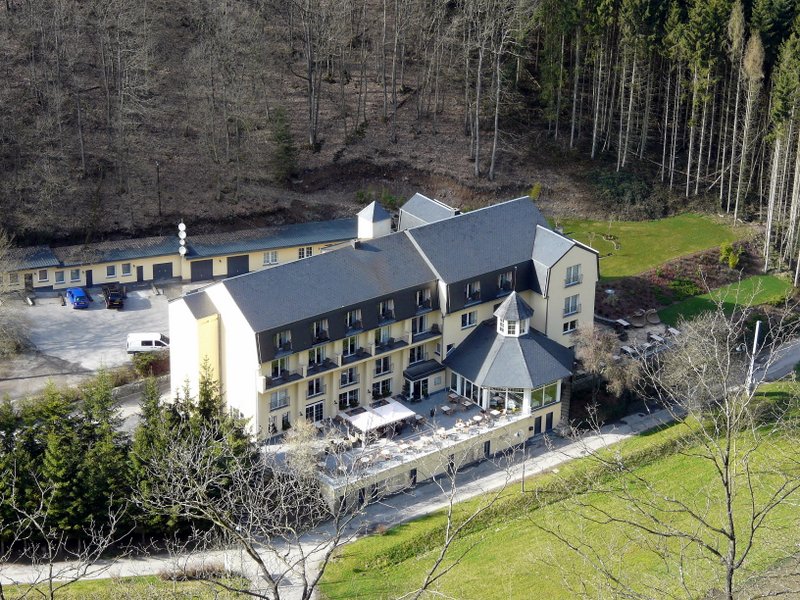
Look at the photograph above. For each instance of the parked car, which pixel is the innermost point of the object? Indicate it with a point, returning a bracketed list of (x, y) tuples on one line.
[(112, 296), (147, 342), (77, 298)]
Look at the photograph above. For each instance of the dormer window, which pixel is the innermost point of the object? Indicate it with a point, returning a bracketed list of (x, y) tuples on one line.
[(513, 328), (472, 291), (504, 282), (423, 299), (353, 319), (386, 310), (513, 316), (319, 331), (283, 341)]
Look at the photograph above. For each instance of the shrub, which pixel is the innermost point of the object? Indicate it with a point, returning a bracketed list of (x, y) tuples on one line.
[(147, 364), (684, 288), (731, 254), (535, 191)]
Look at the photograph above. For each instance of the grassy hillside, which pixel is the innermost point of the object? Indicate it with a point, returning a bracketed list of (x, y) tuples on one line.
[(631, 247), (510, 554)]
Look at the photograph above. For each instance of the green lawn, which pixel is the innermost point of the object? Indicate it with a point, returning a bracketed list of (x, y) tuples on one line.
[(150, 587), (646, 244), (511, 557), (760, 288)]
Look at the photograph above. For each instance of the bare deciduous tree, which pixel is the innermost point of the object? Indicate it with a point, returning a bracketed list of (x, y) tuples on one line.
[(741, 471)]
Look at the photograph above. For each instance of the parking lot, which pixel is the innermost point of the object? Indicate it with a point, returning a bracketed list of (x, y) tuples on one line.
[(71, 343)]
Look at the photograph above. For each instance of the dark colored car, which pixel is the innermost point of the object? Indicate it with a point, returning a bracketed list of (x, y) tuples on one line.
[(77, 298), (113, 296)]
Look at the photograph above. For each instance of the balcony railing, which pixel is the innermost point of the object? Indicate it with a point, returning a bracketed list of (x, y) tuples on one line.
[(387, 315), (321, 336), (419, 357), (505, 286), (279, 377), (424, 305), (281, 401), (318, 367), (354, 326), (473, 297), (572, 310), (345, 380), (317, 391), (384, 369), (283, 346), (573, 281)]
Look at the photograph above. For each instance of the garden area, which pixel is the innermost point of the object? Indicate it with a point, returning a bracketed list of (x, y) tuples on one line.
[(509, 552)]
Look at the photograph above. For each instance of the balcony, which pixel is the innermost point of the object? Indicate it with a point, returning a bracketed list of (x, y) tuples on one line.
[(572, 310), (473, 298), (424, 306), (316, 392), (574, 281), (425, 334), (421, 356), (319, 367), (279, 403), (320, 337), (354, 326), (281, 378), (346, 359), (504, 288), (348, 381), (386, 316), (387, 346), (283, 348), (385, 369)]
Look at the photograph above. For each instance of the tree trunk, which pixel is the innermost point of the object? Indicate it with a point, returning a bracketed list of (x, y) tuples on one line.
[(496, 110), (575, 86)]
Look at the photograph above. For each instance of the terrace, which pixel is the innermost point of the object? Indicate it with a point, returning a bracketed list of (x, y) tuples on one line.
[(441, 421)]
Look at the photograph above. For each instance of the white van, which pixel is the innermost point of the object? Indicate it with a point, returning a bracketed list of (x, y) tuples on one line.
[(147, 342)]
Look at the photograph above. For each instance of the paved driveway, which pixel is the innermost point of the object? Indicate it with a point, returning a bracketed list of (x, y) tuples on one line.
[(71, 343)]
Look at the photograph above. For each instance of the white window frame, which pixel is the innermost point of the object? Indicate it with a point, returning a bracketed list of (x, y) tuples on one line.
[(305, 252), (473, 288), (62, 277), (573, 276), (39, 277), (72, 274), (353, 317), (111, 271), (270, 258), (572, 305), (279, 399), (502, 278), (350, 345), (570, 326), (315, 387), (13, 278), (469, 319), (126, 272)]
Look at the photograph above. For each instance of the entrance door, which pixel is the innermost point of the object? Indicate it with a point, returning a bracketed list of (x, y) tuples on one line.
[(89, 280), (202, 270), (537, 425), (139, 274), (28, 281), (419, 388), (548, 422)]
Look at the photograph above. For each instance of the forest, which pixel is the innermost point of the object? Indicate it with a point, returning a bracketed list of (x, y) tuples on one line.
[(119, 116)]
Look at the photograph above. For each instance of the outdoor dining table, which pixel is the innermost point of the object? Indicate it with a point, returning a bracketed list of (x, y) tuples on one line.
[(494, 412), (446, 409), (477, 418), (452, 397)]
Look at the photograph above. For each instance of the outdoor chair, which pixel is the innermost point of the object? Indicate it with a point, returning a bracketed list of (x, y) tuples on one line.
[(651, 316)]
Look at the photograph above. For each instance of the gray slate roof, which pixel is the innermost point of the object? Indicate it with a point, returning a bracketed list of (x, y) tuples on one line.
[(32, 257), (200, 304), (514, 308), (313, 286), (421, 210), (374, 212), (117, 250), (484, 240), (529, 361), (266, 238)]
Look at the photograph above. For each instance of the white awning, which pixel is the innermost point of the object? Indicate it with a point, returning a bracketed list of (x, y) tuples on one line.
[(380, 416)]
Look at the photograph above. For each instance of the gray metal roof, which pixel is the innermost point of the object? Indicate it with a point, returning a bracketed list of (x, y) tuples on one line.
[(266, 238), (422, 369), (200, 304), (529, 361), (374, 212), (117, 250), (306, 288), (514, 308), (421, 210), (478, 242), (549, 246), (32, 257)]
